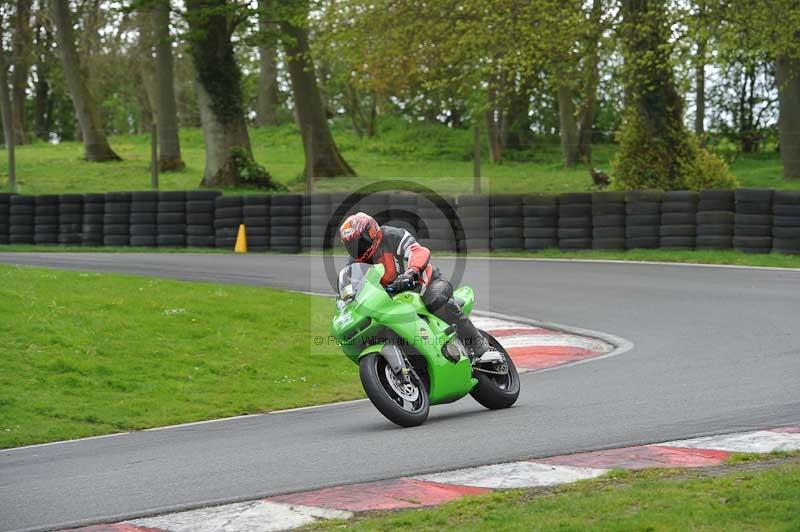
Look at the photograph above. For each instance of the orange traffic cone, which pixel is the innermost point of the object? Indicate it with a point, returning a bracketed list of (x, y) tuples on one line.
[(241, 240)]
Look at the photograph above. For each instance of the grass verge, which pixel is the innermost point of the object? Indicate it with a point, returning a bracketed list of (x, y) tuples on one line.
[(87, 354), (749, 496), (731, 257)]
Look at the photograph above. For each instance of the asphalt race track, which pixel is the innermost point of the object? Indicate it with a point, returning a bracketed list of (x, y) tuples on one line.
[(715, 350)]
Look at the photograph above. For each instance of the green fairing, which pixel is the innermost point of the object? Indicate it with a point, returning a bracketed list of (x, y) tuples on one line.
[(362, 326)]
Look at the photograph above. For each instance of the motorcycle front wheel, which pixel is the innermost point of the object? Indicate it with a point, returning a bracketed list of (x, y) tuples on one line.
[(403, 403)]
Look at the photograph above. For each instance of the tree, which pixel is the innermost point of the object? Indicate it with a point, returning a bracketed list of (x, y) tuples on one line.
[(169, 157), (229, 157), (590, 80), (268, 100), (311, 116), (6, 110), (655, 149), (787, 71), (95, 142), (22, 39)]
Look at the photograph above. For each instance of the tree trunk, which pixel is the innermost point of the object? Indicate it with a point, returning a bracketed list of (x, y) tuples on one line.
[(6, 110), (94, 138), (590, 83), (268, 101), (43, 99), (788, 79), (567, 125), (22, 39), (494, 136), (700, 93), (313, 123), (169, 157), (219, 92)]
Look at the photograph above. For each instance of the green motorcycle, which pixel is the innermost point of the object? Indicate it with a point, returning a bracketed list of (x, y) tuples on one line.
[(408, 358)]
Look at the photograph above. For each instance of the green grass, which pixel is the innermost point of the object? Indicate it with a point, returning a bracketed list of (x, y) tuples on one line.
[(87, 354), (739, 258), (426, 154), (765, 499)]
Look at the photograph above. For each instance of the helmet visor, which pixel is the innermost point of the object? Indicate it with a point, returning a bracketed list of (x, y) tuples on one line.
[(357, 247)]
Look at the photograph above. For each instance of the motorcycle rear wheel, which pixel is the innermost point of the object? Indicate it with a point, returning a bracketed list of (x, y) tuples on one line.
[(496, 391), (406, 405)]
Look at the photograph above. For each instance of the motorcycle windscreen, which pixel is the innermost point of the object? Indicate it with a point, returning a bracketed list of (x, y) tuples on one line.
[(351, 280)]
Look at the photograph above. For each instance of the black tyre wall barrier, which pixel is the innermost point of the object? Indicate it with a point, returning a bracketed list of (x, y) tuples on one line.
[(256, 219), (316, 213), (5, 210), (144, 219), (474, 213), (227, 218), (786, 222), (286, 213), (45, 230), (642, 219), (539, 222), (678, 220), (70, 219), (574, 221), (715, 219), (435, 228), (608, 220), (94, 210), (752, 231), (505, 211), (20, 219), (116, 220), (751, 220)]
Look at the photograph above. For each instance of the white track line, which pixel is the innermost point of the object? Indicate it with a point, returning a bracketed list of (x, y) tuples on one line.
[(514, 475), (758, 441)]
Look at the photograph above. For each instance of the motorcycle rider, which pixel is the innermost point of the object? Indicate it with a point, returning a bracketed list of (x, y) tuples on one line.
[(407, 263)]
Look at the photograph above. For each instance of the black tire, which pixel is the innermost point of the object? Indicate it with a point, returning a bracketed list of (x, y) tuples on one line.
[(537, 222), (678, 230), (787, 221), (94, 199), (476, 244), (540, 232), (608, 209), (116, 240), (287, 210), (202, 195), (677, 242), (46, 210), (753, 219), (608, 232), (374, 379), (172, 196), (66, 219), (171, 207), (756, 230), (643, 208), (752, 242), (609, 220), (70, 208), (755, 195), (256, 211), (144, 207), (608, 243), (567, 233), (569, 211), (506, 211), (224, 242), (634, 220), (786, 245), (715, 218), (118, 208), (200, 207), (144, 218), (197, 230), (171, 229), (714, 242), (715, 230), (200, 241), (786, 197), (144, 230), (170, 218), (786, 210), (500, 232), (171, 241), (575, 222), (535, 199), (786, 232), (224, 202), (506, 222), (642, 242), (116, 229), (148, 196), (753, 208), (496, 392), (642, 231), (536, 244), (93, 219), (680, 196), (714, 205), (287, 199), (569, 244), (508, 243), (644, 196), (676, 207), (227, 223), (575, 198), (547, 211)]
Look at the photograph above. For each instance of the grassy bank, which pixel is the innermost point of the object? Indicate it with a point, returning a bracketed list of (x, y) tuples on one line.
[(431, 155), (747, 497), (87, 354)]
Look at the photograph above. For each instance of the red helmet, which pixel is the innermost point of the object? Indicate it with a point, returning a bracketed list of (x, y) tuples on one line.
[(361, 236)]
